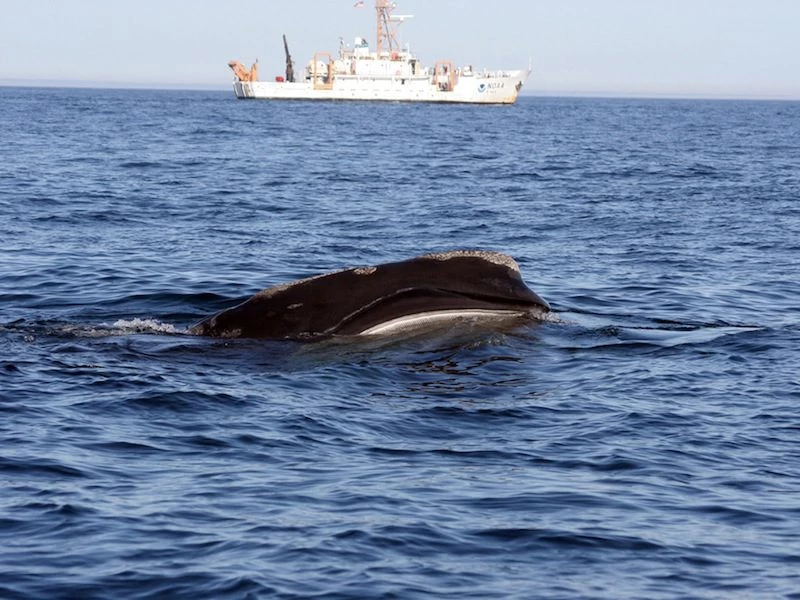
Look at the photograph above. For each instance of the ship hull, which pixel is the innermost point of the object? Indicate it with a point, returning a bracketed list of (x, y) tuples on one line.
[(474, 89)]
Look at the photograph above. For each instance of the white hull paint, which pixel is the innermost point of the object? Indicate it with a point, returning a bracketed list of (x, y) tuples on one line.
[(497, 88)]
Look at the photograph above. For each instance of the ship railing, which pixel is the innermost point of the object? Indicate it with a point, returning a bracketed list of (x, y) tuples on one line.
[(500, 74)]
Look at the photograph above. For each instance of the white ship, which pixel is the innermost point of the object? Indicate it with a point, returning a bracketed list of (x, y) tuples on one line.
[(390, 73)]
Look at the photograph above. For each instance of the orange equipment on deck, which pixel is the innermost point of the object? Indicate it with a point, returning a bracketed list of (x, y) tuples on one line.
[(243, 74)]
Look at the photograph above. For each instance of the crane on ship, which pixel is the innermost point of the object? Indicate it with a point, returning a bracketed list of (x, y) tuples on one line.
[(289, 61), (242, 74)]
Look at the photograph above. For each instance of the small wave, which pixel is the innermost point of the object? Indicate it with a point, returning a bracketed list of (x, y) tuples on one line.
[(119, 327), (31, 330), (139, 164), (137, 325), (584, 333), (665, 338)]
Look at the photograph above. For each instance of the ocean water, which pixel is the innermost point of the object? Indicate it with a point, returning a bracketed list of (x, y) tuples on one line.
[(642, 443)]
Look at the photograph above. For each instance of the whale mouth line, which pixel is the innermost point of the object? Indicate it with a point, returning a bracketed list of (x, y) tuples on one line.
[(439, 318), (409, 308)]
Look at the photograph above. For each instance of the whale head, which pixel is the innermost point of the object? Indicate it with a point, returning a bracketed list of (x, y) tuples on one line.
[(426, 291)]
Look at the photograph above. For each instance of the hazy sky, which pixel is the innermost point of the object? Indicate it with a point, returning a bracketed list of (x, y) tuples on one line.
[(744, 48)]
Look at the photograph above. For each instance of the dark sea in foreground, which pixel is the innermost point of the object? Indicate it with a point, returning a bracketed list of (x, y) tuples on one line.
[(643, 443)]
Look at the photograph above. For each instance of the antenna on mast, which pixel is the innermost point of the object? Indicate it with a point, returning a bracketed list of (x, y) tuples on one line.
[(387, 26)]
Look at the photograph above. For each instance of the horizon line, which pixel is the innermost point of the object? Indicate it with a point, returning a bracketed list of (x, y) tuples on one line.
[(566, 93)]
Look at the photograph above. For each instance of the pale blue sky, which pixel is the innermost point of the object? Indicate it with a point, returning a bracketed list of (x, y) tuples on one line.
[(729, 48)]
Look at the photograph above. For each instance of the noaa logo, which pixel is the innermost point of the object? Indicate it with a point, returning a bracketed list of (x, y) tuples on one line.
[(481, 88)]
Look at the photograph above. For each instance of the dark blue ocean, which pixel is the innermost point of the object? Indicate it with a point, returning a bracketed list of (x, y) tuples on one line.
[(642, 443)]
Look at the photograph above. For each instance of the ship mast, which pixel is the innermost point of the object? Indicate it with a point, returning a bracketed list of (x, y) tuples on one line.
[(387, 26)]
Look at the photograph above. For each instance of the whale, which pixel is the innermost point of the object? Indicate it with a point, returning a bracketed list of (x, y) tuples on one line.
[(425, 292)]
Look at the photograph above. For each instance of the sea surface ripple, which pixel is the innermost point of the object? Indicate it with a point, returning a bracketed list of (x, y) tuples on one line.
[(643, 443)]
